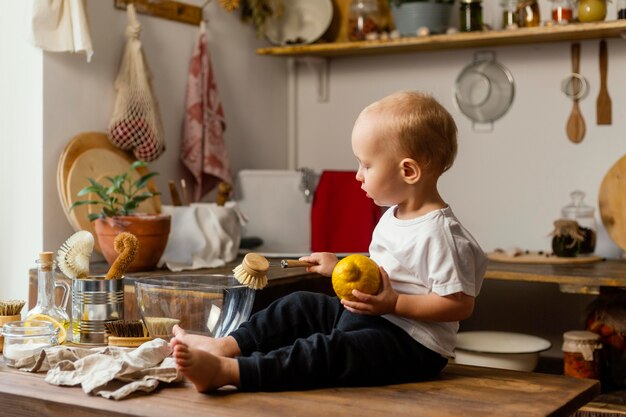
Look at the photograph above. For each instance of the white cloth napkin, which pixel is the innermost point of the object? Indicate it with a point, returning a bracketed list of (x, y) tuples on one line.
[(203, 235), (61, 26), (110, 372)]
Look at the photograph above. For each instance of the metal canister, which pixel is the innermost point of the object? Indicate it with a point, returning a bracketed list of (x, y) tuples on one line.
[(95, 301)]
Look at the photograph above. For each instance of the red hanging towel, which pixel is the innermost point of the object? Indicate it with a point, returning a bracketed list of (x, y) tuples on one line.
[(202, 150), (342, 216)]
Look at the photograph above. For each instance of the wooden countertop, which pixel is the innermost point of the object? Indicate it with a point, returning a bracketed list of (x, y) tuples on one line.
[(460, 390)]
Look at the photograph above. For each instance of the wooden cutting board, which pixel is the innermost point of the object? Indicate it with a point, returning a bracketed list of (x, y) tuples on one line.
[(612, 202), (536, 258)]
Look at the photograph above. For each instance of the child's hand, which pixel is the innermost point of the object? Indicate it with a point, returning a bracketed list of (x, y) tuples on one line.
[(324, 262), (375, 305)]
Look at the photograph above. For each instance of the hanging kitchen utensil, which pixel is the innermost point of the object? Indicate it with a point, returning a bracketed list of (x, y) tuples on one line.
[(484, 90), (575, 124), (603, 102)]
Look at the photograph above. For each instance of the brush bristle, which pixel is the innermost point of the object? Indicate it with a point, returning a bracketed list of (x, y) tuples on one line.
[(73, 256), (125, 328), (127, 246), (160, 326), (11, 307), (253, 281)]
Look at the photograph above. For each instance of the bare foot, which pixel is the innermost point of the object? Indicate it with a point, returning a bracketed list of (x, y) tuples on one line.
[(223, 346), (205, 371)]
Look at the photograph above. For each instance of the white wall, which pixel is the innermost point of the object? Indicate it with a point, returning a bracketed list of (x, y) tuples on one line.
[(21, 124)]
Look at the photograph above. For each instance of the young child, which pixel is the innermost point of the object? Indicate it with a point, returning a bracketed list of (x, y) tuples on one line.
[(431, 269)]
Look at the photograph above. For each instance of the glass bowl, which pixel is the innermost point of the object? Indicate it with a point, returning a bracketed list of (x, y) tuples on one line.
[(211, 305)]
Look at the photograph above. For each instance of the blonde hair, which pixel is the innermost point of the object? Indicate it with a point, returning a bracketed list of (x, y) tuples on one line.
[(420, 127)]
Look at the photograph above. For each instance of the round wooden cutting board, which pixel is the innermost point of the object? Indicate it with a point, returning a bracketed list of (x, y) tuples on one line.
[(91, 155), (612, 202)]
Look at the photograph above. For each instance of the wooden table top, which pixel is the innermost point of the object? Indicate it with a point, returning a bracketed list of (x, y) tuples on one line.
[(460, 390)]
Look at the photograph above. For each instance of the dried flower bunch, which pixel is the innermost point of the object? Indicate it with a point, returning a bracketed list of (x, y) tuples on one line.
[(255, 12)]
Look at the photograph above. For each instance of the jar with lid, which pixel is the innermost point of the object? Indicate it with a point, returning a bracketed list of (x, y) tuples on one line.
[(23, 340), (562, 11), (581, 354), (583, 214), (363, 18), (591, 10), (528, 13), (471, 15), (509, 14)]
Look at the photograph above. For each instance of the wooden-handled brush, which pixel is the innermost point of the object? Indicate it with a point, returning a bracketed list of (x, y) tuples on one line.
[(253, 270), (127, 333), (73, 256)]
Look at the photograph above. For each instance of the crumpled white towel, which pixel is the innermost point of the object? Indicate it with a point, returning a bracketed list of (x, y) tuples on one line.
[(203, 235), (61, 26), (110, 372)]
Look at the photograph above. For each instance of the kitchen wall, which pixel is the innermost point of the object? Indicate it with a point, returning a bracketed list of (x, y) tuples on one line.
[(507, 186)]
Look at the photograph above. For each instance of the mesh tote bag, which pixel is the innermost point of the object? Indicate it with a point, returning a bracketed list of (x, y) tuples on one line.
[(136, 122)]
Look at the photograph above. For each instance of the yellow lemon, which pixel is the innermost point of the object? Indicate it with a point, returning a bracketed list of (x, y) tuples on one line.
[(44, 317), (355, 272)]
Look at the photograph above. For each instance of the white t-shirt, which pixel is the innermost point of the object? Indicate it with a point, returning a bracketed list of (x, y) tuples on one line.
[(431, 253)]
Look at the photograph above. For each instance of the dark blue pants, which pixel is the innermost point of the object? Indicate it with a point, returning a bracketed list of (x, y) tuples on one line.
[(309, 340)]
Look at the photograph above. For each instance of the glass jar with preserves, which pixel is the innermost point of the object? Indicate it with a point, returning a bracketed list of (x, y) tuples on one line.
[(583, 215), (471, 16), (528, 13), (591, 10), (562, 11), (363, 18), (581, 354)]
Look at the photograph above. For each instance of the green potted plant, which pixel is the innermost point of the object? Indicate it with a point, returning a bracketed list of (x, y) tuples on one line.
[(411, 15), (119, 200)]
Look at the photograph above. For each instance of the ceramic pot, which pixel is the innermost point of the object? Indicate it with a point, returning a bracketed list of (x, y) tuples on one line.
[(410, 17), (152, 231)]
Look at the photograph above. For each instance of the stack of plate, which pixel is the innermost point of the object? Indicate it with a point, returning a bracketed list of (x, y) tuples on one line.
[(91, 155)]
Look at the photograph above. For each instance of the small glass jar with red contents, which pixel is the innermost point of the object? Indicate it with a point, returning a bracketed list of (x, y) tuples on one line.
[(580, 354), (562, 11)]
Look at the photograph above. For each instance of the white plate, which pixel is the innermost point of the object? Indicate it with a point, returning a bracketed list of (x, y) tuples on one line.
[(302, 22)]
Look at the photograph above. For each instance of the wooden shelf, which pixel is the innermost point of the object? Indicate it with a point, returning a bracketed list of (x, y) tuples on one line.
[(560, 33)]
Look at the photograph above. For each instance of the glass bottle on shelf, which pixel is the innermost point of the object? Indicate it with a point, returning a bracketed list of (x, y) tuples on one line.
[(509, 14), (562, 11), (583, 214), (471, 16), (363, 19), (46, 301), (591, 10), (528, 13)]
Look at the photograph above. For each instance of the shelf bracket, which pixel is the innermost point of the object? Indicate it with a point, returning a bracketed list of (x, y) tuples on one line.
[(321, 67)]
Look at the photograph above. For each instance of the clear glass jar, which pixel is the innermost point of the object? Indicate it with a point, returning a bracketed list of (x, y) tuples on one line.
[(562, 11), (580, 354), (584, 216), (528, 13), (23, 340), (363, 18), (509, 14), (591, 10), (471, 16)]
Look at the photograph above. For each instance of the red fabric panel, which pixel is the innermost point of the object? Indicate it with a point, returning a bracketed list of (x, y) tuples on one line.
[(342, 217)]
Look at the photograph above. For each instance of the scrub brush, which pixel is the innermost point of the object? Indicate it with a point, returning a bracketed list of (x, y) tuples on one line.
[(253, 270), (73, 256), (127, 246), (126, 333), (160, 326)]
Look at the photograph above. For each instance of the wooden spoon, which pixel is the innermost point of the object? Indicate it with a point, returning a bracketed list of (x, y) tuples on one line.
[(576, 123), (603, 102)]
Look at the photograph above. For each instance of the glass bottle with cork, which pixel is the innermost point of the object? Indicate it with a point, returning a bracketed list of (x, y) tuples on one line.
[(46, 307)]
